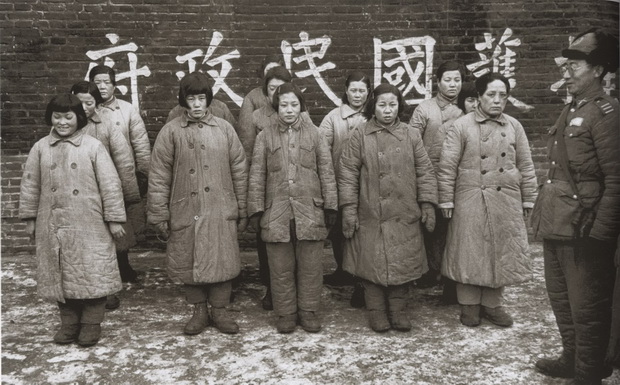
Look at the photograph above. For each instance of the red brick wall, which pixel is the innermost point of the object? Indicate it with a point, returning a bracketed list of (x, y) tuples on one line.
[(44, 45)]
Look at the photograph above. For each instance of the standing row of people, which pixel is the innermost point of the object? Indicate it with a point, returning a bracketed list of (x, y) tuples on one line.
[(445, 195)]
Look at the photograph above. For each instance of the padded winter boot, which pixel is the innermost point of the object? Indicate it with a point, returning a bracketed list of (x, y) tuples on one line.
[(470, 315), (286, 323), (128, 274), (562, 367), (309, 321), (400, 321), (497, 316), (70, 324), (357, 299), (267, 300), (222, 320), (379, 321), (199, 320), (397, 302), (112, 302), (89, 334)]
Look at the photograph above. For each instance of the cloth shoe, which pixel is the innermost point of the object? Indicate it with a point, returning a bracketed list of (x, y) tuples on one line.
[(67, 334), (497, 316), (112, 302), (400, 321), (223, 321), (562, 367), (309, 321), (470, 315), (199, 320), (286, 323), (267, 300), (89, 334), (378, 321)]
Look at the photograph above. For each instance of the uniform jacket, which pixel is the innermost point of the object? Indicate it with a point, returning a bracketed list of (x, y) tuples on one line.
[(429, 117), (385, 173), (218, 108), (487, 175), (253, 101), (292, 180), (123, 116), (120, 152), (198, 183), (337, 127), (593, 144), (71, 187)]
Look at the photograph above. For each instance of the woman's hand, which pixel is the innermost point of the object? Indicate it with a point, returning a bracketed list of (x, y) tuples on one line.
[(31, 225), (447, 213), (162, 229), (255, 220), (117, 230), (350, 221), (428, 216), (527, 213), (330, 218)]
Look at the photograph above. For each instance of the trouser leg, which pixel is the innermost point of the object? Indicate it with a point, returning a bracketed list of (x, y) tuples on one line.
[(397, 297), (309, 255), (337, 239), (263, 260), (196, 293), (375, 296), (219, 293), (468, 294), (282, 271), (70, 312), (93, 310), (492, 297)]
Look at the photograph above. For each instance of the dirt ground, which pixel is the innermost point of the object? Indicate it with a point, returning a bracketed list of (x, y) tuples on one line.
[(143, 342)]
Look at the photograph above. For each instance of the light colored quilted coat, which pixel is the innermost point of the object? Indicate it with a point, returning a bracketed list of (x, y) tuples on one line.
[(71, 187), (300, 189), (487, 175), (198, 184), (385, 173)]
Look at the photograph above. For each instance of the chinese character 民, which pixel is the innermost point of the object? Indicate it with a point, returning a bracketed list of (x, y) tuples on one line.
[(223, 61), (417, 64), (133, 72), (494, 59), (309, 56)]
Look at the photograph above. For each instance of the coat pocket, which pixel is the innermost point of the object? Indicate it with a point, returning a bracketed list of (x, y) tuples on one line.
[(274, 159), (307, 155), (319, 214), (180, 216)]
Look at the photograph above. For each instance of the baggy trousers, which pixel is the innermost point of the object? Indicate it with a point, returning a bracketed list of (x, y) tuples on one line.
[(217, 294)]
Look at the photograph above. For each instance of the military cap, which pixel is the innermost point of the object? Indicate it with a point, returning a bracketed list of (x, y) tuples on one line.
[(595, 46)]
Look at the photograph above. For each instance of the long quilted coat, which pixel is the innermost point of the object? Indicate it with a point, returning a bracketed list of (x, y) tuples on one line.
[(385, 173), (198, 184), (71, 187), (487, 175), (289, 189)]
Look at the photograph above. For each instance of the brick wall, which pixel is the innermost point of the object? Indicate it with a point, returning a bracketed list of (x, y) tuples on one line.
[(45, 43)]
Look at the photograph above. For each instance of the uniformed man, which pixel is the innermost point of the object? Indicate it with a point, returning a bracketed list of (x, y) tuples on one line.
[(577, 213)]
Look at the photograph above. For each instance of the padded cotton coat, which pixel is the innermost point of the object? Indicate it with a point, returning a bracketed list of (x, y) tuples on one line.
[(198, 184), (487, 175), (71, 188), (384, 174)]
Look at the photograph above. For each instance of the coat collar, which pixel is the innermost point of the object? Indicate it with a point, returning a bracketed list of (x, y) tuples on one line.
[(443, 102), (588, 95), (395, 129), (75, 139), (110, 104), (481, 117), (346, 111), (95, 118), (206, 119), (282, 126)]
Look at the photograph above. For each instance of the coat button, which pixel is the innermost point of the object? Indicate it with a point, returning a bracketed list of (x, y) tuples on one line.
[(483, 157), (555, 142), (503, 134), (200, 125), (191, 171), (290, 181), (397, 149), (207, 189), (553, 162), (53, 166), (73, 165), (483, 172), (501, 170), (195, 217), (499, 188), (203, 146), (503, 154), (290, 199), (118, 123), (205, 167), (53, 189), (118, 108), (193, 194), (575, 196), (483, 187), (191, 145), (485, 139), (548, 180), (75, 192)]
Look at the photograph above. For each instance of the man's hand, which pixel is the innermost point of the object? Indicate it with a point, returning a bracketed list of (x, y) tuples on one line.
[(117, 230)]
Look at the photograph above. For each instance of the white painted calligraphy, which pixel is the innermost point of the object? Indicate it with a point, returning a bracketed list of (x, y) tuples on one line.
[(420, 55)]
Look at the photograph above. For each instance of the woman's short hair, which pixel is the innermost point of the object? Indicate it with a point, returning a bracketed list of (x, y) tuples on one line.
[(101, 69), (356, 76), (86, 87), (483, 81), (381, 89), (468, 90), (268, 60), (195, 83), (65, 103), (285, 88), (279, 73), (450, 65)]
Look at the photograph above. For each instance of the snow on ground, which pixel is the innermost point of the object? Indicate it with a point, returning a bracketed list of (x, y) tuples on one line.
[(143, 342)]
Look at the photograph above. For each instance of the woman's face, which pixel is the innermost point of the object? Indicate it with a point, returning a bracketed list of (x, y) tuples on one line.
[(289, 107), (493, 100), (269, 66), (357, 93), (272, 86), (470, 104), (88, 103), (104, 83), (450, 84), (196, 105), (386, 108), (64, 123)]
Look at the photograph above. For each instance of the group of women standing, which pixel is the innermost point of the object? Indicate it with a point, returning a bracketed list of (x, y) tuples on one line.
[(448, 191)]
